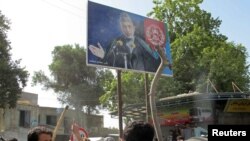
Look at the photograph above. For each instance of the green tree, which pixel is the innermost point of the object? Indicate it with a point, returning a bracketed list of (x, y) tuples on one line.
[(75, 83), (181, 17), (199, 51), (132, 90), (13, 77), (226, 63)]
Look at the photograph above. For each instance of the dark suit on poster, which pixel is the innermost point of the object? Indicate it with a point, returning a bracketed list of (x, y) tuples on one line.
[(132, 53)]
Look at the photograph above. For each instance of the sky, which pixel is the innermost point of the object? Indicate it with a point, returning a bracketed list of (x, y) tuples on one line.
[(37, 26)]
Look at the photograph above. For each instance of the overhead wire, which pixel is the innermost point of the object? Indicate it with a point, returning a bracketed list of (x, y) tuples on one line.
[(63, 9), (71, 5)]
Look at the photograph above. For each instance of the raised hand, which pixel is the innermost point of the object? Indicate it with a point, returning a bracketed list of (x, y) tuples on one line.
[(97, 51)]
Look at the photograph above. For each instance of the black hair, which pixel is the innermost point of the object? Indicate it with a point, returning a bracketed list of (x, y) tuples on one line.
[(138, 131), (33, 134)]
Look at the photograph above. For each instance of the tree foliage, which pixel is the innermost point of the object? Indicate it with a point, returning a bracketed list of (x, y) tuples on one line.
[(13, 77), (181, 17), (199, 51), (132, 90), (75, 83)]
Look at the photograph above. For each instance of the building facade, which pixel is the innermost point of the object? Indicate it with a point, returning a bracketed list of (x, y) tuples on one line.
[(18, 121)]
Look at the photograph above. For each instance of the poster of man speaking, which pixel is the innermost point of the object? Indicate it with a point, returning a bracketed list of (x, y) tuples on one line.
[(122, 40)]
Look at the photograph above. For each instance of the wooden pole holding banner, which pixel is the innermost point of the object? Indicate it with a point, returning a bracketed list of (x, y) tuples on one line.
[(146, 96), (119, 102), (59, 122)]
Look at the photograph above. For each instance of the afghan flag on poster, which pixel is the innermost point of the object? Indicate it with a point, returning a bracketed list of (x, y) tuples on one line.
[(155, 33)]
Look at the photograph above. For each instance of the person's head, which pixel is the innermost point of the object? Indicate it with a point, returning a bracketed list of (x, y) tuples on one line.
[(40, 133), (127, 25), (138, 131), (180, 138), (109, 139)]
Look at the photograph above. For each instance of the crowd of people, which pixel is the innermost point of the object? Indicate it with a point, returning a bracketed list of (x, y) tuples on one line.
[(135, 131)]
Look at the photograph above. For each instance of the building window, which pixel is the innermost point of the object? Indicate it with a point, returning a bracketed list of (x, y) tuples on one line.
[(51, 120), (24, 119)]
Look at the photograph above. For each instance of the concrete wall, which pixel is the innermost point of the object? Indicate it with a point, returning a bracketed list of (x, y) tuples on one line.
[(10, 118), (31, 97)]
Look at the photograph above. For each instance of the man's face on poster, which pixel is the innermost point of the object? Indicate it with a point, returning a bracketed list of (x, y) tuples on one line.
[(128, 28)]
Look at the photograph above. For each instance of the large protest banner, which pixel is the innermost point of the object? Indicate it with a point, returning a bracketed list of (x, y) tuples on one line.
[(123, 40)]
